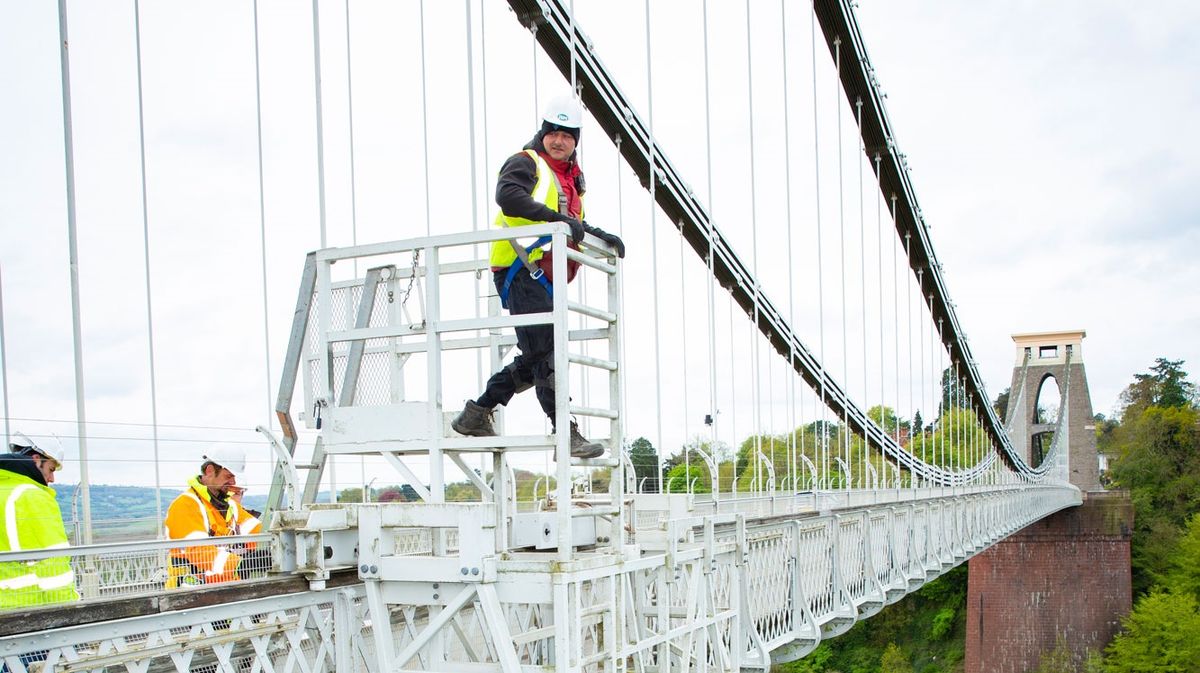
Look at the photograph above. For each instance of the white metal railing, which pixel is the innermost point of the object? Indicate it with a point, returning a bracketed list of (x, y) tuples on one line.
[(746, 592), (124, 569), (872, 546), (353, 339)]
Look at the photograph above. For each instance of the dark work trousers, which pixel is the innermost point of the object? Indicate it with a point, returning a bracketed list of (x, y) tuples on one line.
[(535, 363)]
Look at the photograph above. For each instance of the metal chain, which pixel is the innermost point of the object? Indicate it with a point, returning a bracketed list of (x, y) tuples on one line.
[(412, 279)]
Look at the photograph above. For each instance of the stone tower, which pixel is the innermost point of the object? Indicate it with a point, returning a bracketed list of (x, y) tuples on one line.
[(1067, 575), (1043, 356)]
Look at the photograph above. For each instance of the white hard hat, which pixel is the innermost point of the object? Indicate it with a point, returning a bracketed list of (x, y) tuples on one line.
[(228, 456), (50, 448), (564, 111)]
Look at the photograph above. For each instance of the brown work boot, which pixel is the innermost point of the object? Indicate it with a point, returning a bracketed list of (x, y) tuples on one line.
[(581, 447), (474, 421)]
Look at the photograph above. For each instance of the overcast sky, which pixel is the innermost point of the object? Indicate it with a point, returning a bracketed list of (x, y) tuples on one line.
[(1051, 145), (1053, 150)]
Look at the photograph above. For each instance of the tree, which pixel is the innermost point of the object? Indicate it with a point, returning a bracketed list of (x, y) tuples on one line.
[(908, 625), (815, 662), (1158, 460), (1165, 386), (894, 661), (350, 494), (1183, 564), (953, 441), (462, 491), (886, 418), (748, 466), (1104, 425), (690, 454), (954, 393), (917, 424), (817, 428), (1157, 451), (683, 474), (1162, 634), (391, 494), (1001, 404), (644, 457)]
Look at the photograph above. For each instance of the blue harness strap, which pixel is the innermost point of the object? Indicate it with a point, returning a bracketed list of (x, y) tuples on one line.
[(535, 273)]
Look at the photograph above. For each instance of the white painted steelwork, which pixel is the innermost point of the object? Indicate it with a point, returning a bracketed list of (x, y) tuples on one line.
[(649, 582), (717, 592), (705, 581)]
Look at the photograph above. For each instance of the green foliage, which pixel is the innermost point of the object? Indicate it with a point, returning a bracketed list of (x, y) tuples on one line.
[(462, 491), (815, 662), (1158, 460), (683, 474), (1157, 444), (954, 393), (753, 474), (1183, 563), (821, 442), (689, 463), (1165, 386), (954, 440), (886, 418), (644, 457), (894, 660), (943, 621), (353, 494), (907, 630), (1162, 634), (1000, 405)]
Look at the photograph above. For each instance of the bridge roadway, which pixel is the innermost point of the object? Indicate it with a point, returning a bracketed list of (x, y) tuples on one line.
[(738, 583)]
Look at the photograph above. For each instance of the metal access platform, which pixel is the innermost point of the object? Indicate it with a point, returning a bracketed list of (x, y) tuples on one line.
[(360, 342), (577, 581)]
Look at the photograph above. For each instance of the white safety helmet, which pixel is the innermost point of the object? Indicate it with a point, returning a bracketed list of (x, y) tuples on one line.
[(564, 111), (50, 448), (228, 456)]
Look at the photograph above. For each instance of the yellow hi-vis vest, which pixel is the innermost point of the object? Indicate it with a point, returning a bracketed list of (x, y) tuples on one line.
[(32, 521), (546, 190)]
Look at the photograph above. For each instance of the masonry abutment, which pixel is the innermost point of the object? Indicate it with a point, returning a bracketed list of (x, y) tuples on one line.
[(1067, 575)]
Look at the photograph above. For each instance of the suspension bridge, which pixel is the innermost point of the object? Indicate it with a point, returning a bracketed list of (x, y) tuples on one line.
[(774, 334)]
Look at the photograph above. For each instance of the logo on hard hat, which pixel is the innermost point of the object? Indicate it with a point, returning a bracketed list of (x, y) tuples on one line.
[(562, 116)]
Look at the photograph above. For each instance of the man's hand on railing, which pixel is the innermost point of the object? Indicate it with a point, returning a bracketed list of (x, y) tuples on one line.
[(577, 228), (611, 239)]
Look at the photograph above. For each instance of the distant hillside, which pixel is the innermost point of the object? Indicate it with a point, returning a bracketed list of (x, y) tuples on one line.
[(123, 512)]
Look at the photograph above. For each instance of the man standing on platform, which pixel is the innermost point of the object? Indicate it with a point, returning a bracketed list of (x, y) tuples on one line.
[(542, 183)]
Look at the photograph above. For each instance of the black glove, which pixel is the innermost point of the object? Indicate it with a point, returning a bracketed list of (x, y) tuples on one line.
[(577, 228), (611, 239)]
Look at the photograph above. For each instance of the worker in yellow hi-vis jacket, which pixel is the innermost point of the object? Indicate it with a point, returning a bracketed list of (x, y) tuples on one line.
[(32, 521)]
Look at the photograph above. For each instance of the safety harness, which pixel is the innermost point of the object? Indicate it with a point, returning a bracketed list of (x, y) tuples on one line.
[(522, 260)]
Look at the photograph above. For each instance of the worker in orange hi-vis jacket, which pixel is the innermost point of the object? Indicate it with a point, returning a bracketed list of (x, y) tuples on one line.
[(206, 510)]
